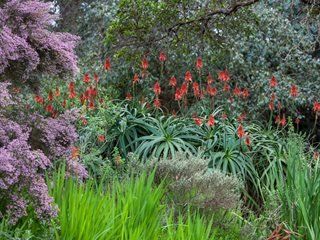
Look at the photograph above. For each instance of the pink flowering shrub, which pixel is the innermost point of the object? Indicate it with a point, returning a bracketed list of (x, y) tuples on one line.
[(27, 45)]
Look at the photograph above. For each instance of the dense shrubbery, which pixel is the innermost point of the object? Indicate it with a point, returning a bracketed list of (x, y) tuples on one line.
[(185, 130)]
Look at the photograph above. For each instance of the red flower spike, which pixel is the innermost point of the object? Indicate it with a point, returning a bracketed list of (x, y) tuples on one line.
[(57, 92), (39, 99), (101, 138), (294, 91), (197, 121), (71, 86), (107, 64), (144, 64), (86, 78), (209, 79), (237, 91), (157, 89), (240, 131), (212, 91), (162, 57), (283, 121), (224, 76), (271, 105), (199, 63), (128, 96), (188, 76), (91, 104), (247, 140), (273, 82), (135, 78), (211, 121), (72, 94), (173, 82), (178, 95), (226, 87), (84, 121), (49, 108), (184, 89), (245, 93), (196, 89), (156, 103), (96, 77), (50, 96), (316, 107)]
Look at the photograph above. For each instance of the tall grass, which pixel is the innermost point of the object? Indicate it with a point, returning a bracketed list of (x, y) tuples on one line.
[(129, 210), (300, 194)]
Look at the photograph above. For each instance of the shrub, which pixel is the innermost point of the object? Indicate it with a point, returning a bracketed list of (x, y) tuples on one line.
[(191, 182)]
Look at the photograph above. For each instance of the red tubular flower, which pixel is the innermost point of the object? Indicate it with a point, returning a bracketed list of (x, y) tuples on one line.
[(199, 63), (71, 86), (57, 92), (197, 121), (135, 78), (101, 138), (50, 96), (107, 64), (64, 103), (84, 121), (86, 78), (178, 95), (157, 89), (162, 57), (224, 76), (209, 79), (273, 82), (144, 64), (188, 76), (184, 89), (72, 94), (240, 131), (283, 121), (49, 108), (211, 121), (226, 87), (156, 103), (247, 140), (129, 96), (237, 91), (245, 93), (271, 105), (316, 107), (196, 89), (91, 104), (294, 91), (96, 77), (212, 91), (39, 99), (173, 82)]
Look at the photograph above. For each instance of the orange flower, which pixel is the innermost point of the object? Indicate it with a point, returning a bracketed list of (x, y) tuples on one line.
[(135, 78), (237, 91), (226, 87), (162, 57), (49, 108), (294, 91), (86, 78), (271, 105), (71, 86), (197, 121), (107, 64), (184, 89), (245, 93), (316, 107), (240, 131), (101, 138), (211, 121), (156, 103), (84, 121), (209, 79), (178, 95), (91, 104), (173, 82), (196, 89), (212, 91), (188, 76), (129, 96), (72, 94), (224, 76), (39, 99), (199, 63), (144, 64), (157, 89), (273, 82), (247, 140)]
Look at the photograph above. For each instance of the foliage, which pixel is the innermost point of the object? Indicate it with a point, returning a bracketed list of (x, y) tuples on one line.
[(28, 46), (300, 192), (192, 183)]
